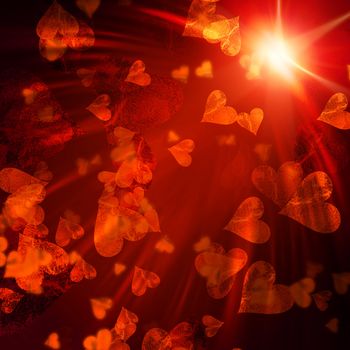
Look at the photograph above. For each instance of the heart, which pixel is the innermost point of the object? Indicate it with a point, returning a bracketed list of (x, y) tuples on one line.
[(251, 121), (252, 64), (11, 179), (216, 110), (133, 169), (181, 73), (102, 340), (180, 337), (260, 294), (220, 268), (202, 245), (9, 299), (137, 74), (52, 49), (81, 268), (3, 247), (308, 205), (321, 299), (164, 246), (263, 151), (142, 280), (100, 306), (172, 136), (88, 6), (301, 291), (333, 325), (56, 20), (86, 76), (181, 151), (99, 107), (278, 186), (334, 112), (119, 268), (205, 70), (125, 325), (67, 230), (53, 341), (225, 31), (246, 224), (341, 282), (212, 325)]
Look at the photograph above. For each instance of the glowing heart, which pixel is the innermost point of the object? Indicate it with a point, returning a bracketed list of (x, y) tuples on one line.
[(220, 268), (164, 246), (66, 231), (205, 70), (9, 299), (81, 268), (216, 110), (321, 299), (301, 291), (53, 341), (181, 73), (11, 179), (341, 282), (251, 121), (181, 152), (308, 205), (137, 74), (334, 112), (100, 306), (86, 76), (88, 6), (260, 294), (102, 340), (180, 337), (119, 268), (246, 221), (99, 107), (212, 325), (278, 186), (125, 326), (142, 280)]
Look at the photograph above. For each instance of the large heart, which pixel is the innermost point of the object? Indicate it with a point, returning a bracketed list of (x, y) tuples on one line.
[(260, 294), (142, 280)]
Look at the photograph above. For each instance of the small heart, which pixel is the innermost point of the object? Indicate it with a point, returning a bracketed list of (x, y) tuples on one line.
[(202, 245), (102, 340), (181, 73), (278, 186), (301, 291), (164, 246), (172, 136), (251, 121), (11, 179), (100, 306), (260, 294), (341, 282), (246, 224), (216, 110), (53, 341), (333, 325), (52, 49), (99, 107), (137, 74), (180, 337), (86, 76), (212, 325), (181, 151), (81, 268), (88, 6), (308, 205), (125, 325), (220, 268), (321, 299), (119, 268), (142, 280), (334, 112), (205, 70), (66, 231), (9, 299)]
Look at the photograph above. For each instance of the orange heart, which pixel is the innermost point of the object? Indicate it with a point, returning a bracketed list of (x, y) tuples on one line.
[(205, 70), (251, 121), (99, 107), (181, 151), (164, 246), (260, 294), (100, 306), (3, 247), (212, 325), (102, 340), (9, 300), (181, 73), (220, 268), (280, 186), (180, 337), (125, 326), (308, 205), (81, 268), (119, 268), (341, 282), (142, 280), (88, 6), (86, 76), (11, 179), (321, 299), (67, 230), (301, 291), (216, 110), (53, 341), (333, 325), (172, 136), (202, 245), (252, 64), (137, 74), (246, 224), (334, 112)]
